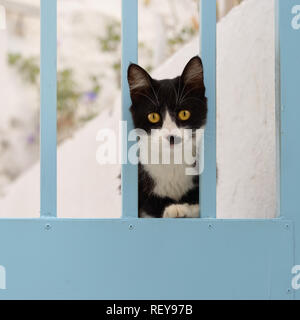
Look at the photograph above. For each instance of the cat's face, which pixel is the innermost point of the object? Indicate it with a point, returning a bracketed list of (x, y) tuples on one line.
[(166, 107)]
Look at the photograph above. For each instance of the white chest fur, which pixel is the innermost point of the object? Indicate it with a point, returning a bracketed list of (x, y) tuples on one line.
[(170, 180)]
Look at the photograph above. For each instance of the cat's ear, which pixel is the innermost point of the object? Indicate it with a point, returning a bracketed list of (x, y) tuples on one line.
[(139, 80), (192, 75)]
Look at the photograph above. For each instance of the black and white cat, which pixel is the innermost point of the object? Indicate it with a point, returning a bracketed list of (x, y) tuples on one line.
[(160, 108)]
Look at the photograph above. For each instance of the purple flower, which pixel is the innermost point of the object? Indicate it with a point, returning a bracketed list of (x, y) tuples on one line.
[(91, 96), (31, 139)]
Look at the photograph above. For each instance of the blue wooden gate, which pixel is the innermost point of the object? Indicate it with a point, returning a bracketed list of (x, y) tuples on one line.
[(134, 258)]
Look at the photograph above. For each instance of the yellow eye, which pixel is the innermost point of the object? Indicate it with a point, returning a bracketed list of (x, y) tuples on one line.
[(184, 115), (154, 117)]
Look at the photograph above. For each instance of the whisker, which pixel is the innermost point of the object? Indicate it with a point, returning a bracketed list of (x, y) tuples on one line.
[(154, 93), (158, 91), (176, 93), (182, 91), (201, 100), (144, 95), (182, 98), (190, 81)]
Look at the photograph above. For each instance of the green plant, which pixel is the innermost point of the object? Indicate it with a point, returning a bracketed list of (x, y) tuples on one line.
[(183, 36), (68, 92), (111, 41), (27, 67), (96, 88)]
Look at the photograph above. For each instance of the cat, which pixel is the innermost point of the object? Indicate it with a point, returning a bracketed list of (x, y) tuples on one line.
[(159, 108)]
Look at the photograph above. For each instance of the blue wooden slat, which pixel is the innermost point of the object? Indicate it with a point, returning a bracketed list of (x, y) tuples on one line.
[(146, 259), (129, 54), (289, 40), (208, 54), (48, 179), (277, 108)]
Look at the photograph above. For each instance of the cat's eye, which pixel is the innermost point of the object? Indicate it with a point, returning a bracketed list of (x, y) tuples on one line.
[(154, 117), (184, 115)]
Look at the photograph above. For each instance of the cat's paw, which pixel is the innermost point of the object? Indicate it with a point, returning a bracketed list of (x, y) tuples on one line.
[(176, 211), (181, 211)]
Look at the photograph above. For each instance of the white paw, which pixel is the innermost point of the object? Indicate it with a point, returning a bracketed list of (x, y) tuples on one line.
[(176, 211), (182, 211)]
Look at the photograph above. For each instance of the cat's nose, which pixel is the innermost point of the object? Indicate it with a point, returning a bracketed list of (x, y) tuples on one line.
[(174, 139)]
